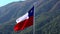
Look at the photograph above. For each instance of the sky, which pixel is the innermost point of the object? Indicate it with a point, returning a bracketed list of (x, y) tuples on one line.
[(5, 2)]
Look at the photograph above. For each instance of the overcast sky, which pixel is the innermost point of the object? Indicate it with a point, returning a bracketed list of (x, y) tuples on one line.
[(4, 2)]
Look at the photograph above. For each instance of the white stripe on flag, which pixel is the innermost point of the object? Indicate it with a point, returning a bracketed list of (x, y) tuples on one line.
[(22, 18)]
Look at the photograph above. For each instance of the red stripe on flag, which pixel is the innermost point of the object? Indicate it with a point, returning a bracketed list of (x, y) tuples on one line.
[(24, 24)]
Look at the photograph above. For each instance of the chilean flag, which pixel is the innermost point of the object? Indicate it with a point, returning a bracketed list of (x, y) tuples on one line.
[(25, 21)]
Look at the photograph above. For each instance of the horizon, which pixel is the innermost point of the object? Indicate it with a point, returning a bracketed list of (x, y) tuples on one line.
[(5, 2)]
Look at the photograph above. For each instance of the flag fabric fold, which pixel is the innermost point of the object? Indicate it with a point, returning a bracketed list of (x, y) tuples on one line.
[(25, 21)]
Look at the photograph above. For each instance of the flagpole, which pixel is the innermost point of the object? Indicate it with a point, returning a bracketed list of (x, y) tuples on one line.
[(34, 22)]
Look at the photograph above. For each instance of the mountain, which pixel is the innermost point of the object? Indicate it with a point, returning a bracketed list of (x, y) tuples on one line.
[(47, 16)]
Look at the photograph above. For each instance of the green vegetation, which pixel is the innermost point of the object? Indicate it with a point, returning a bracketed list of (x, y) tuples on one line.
[(47, 17)]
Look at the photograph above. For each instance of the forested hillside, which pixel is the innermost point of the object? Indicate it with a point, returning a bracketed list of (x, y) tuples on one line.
[(47, 16)]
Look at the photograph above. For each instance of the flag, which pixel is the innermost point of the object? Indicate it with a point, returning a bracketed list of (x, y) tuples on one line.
[(25, 21)]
